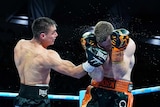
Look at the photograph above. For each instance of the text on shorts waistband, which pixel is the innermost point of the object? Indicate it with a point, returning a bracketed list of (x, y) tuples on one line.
[(112, 84)]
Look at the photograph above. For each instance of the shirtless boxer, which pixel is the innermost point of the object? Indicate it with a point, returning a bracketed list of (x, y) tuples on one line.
[(111, 83), (34, 63)]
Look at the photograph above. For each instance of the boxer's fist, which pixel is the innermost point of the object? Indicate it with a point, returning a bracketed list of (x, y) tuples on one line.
[(96, 56), (120, 39)]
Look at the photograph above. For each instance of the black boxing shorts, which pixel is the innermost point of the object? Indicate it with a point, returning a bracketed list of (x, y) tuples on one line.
[(32, 96), (108, 93)]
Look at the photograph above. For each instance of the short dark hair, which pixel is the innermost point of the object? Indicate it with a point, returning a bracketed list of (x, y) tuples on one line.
[(41, 25)]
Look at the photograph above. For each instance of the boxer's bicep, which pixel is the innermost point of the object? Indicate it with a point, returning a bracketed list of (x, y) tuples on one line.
[(62, 66)]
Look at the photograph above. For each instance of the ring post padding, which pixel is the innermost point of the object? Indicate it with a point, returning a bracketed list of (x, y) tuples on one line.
[(81, 96)]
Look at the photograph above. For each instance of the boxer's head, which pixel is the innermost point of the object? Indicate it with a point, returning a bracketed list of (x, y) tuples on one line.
[(103, 29), (42, 25)]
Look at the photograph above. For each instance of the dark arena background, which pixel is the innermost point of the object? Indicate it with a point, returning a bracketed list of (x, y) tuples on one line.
[(140, 17)]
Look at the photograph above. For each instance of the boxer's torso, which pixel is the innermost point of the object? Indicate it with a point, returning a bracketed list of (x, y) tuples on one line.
[(30, 60), (120, 63), (118, 70)]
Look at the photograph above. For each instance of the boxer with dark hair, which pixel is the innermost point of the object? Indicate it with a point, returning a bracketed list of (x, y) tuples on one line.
[(111, 82), (34, 63)]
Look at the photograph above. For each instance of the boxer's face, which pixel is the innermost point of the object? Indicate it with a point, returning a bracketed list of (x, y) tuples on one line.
[(50, 37), (52, 34), (106, 44)]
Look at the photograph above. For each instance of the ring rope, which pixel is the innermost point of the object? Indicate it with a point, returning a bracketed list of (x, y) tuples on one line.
[(73, 97), (82, 93), (146, 90), (50, 96)]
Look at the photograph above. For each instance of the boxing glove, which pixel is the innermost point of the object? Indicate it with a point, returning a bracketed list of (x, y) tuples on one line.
[(88, 39), (120, 39), (95, 55)]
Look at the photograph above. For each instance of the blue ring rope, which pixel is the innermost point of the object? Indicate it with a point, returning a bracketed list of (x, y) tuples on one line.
[(146, 90), (61, 97), (73, 97)]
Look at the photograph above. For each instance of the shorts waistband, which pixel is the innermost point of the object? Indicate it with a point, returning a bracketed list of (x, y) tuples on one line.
[(41, 85), (112, 84), (33, 92)]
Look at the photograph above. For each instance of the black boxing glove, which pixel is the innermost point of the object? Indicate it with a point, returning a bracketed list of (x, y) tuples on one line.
[(120, 39), (95, 57)]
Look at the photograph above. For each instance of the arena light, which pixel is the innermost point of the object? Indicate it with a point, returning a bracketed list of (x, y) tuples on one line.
[(155, 40), (21, 20)]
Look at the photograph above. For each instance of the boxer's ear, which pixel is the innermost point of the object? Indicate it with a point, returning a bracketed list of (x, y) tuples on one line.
[(42, 35)]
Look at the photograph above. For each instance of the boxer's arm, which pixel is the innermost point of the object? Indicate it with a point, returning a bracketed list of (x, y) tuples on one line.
[(65, 67), (130, 49), (97, 74)]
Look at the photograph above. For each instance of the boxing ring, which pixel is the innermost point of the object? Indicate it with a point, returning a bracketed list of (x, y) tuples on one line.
[(82, 93)]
